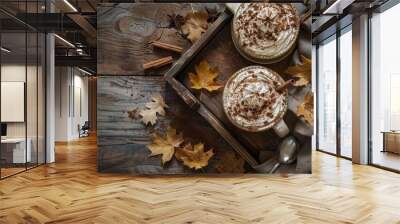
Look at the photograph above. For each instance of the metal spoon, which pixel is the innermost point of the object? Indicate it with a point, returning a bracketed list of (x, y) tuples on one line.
[(287, 152)]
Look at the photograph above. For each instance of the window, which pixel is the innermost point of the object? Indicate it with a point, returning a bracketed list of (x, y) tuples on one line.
[(334, 73), (327, 96), (346, 92), (385, 89)]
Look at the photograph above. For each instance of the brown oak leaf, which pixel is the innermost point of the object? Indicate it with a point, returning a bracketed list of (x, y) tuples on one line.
[(133, 114), (165, 145), (176, 21), (302, 72), (306, 109), (154, 107), (194, 157), (195, 25), (230, 163), (205, 77)]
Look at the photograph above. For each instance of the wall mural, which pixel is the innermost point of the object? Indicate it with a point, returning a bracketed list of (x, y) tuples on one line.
[(204, 88)]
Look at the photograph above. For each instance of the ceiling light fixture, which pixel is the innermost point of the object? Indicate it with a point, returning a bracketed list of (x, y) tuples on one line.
[(337, 7), (70, 5), (64, 40), (5, 50), (84, 71)]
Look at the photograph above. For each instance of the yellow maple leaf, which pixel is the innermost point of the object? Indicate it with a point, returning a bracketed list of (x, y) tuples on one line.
[(195, 25), (166, 145), (154, 107), (301, 71), (194, 157), (306, 109), (205, 77), (230, 163)]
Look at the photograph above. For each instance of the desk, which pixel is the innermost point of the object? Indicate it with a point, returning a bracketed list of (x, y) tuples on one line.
[(16, 147), (391, 141)]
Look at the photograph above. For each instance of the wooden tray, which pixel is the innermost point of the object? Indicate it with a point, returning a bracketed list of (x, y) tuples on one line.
[(217, 48)]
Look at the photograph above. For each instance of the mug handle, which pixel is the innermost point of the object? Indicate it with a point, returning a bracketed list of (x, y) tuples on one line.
[(232, 7), (281, 129)]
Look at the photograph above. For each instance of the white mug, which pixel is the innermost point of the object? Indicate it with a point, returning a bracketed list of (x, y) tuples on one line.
[(232, 97)]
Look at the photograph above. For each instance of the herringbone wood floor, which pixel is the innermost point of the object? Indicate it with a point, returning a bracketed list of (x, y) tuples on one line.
[(71, 191)]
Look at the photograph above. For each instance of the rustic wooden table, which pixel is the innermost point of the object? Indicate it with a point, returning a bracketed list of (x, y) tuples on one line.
[(124, 33)]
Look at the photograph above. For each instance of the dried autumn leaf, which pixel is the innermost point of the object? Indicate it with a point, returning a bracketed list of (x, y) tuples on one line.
[(194, 156), (176, 21), (306, 109), (230, 163), (213, 14), (204, 77), (154, 107), (195, 25), (133, 114), (165, 145), (301, 72)]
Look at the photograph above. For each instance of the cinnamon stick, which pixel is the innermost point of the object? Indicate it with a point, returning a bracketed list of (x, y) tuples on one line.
[(285, 85), (158, 63), (165, 46)]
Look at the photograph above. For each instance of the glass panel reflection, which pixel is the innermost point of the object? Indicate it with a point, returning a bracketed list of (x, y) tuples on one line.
[(346, 93), (14, 153), (327, 96)]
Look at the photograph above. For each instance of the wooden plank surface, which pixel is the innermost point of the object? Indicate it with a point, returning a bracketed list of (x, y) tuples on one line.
[(122, 50), (122, 140), (125, 29)]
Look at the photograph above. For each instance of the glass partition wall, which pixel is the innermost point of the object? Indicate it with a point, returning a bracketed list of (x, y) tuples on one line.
[(334, 94), (326, 91), (345, 92), (385, 89), (22, 88)]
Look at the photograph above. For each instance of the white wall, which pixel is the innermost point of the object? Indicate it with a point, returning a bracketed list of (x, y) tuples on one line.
[(16, 73), (70, 83), (33, 127), (62, 81)]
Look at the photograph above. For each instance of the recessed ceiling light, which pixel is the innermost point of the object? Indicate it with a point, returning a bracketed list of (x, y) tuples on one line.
[(5, 50), (84, 71), (64, 40), (70, 5), (338, 6)]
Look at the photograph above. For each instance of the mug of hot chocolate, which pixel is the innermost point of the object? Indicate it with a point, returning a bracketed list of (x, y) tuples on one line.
[(255, 99), (264, 33)]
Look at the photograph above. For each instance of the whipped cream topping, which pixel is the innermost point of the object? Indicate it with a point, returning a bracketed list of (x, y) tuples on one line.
[(266, 30), (251, 100)]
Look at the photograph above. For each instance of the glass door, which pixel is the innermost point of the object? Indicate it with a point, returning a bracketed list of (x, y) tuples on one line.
[(326, 101)]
